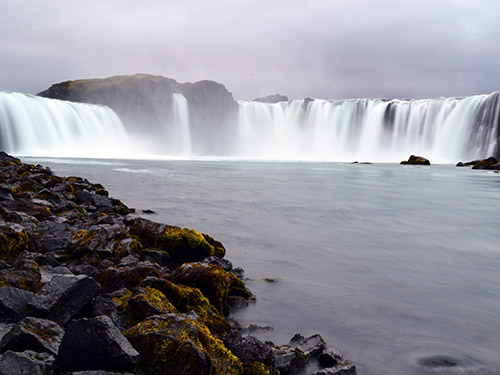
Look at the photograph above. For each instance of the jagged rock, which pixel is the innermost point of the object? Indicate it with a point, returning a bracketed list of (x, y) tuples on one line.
[(64, 296), (106, 306), (221, 262), (114, 278), (13, 241), (289, 360), (416, 160), (215, 283), (181, 244), (491, 164), (467, 164), (4, 328), (330, 357), (143, 303), (48, 272), (5, 194), (248, 349), (340, 369), (35, 334), (96, 344), (172, 344), (28, 362), (13, 303), (311, 346), (24, 275)]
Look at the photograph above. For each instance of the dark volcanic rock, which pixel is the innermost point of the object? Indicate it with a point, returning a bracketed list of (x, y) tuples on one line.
[(311, 346), (289, 360), (248, 349), (340, 369), (64, 296), (491, 164), (330, 357), (96, 344), (272, 99), (416, 160), (28, 362), (13, 303), (467, 164), (35, 334), (213, 281), (172, 344)]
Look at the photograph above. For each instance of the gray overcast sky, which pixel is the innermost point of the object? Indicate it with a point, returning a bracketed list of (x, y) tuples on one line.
[(305, 48)]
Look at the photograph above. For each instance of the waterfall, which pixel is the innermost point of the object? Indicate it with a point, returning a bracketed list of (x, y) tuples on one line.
[(32, 125), (181, 131), (444, 130)]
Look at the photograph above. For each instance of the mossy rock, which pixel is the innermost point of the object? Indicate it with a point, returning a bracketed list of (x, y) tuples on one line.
[(25, 276), (490, 163), (187, 299), (143, 303), (12, 243), (258, 368), (183, 245), (176, 345), (114, 278), (416, 160), (214, 282)]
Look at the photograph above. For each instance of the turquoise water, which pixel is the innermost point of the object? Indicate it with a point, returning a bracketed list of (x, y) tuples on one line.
[(391, 264)]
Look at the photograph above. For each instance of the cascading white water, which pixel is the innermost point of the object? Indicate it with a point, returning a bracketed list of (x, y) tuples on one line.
[(31, 125), (181, 128), (444, 130)]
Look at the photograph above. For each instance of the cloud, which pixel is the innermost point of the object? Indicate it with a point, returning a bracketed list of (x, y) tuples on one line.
[(316, 48)]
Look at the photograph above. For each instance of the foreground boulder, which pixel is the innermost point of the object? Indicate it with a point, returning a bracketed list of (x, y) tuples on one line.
[(214, 282), (40, 335), (416, 160), (28, 362), (173, 344), (63, 296), (96, 344), (13, 303)]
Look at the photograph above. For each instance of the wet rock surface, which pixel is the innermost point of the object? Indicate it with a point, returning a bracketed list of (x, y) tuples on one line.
[(88, 288), (416, 160)]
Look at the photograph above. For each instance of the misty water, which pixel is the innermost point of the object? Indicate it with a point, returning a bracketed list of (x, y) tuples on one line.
[(391, 264)]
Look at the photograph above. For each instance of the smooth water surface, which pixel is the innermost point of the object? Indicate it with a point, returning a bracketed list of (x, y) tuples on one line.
[(391, 264)]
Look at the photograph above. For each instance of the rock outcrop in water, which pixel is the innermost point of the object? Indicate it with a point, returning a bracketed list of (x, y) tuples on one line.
[(87, 287), (490, 163), (416, 160), (144, 103)]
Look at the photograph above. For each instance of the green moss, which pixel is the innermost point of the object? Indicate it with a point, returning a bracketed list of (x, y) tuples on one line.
[(257, 368), (213, 281), (17, 192), (102, 192), (12, 243), (184, 245), (73, 179), (174, 345)]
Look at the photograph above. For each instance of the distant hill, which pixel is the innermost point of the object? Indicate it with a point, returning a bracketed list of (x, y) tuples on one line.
[(144, 102)]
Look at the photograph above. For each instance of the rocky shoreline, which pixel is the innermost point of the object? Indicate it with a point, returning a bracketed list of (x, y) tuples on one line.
[(87, 287)]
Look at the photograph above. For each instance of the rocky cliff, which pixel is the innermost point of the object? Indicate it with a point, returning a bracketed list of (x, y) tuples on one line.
[(144, 104)]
